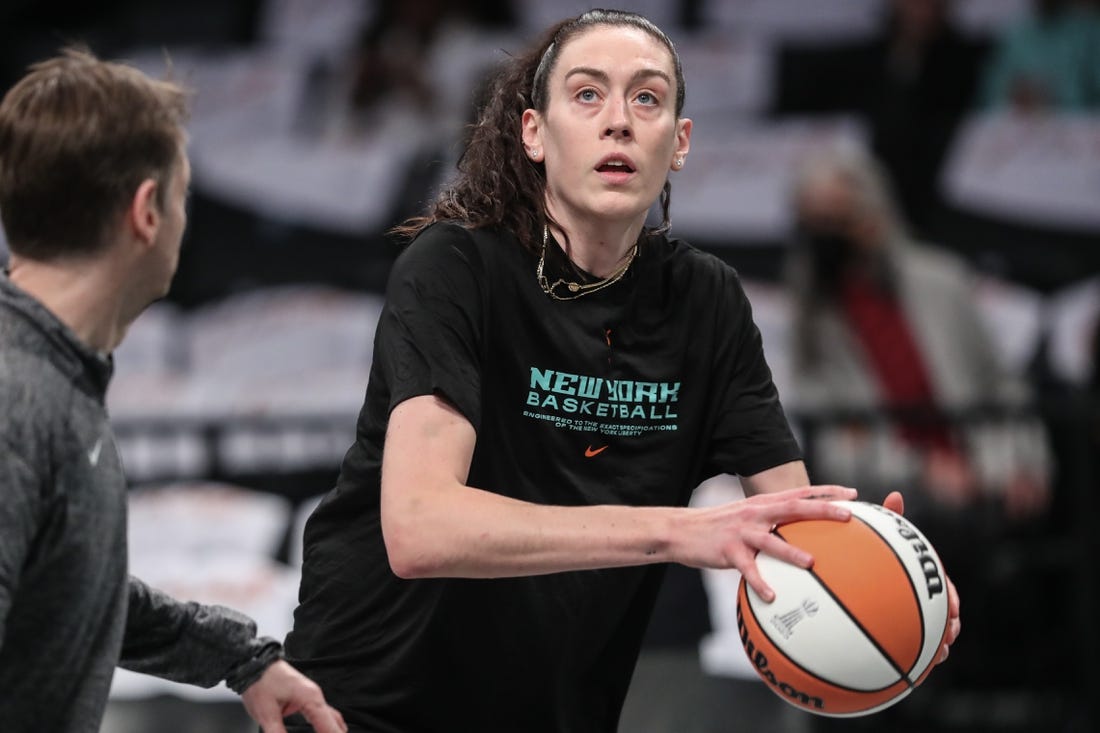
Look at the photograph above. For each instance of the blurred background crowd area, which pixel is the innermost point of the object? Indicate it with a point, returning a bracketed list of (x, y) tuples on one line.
[(953, 356)]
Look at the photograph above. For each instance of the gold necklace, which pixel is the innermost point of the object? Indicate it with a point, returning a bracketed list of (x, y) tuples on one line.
[(577, 289)]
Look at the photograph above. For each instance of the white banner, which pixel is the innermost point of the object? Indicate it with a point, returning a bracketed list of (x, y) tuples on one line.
[(737, 181), (1041, 170)]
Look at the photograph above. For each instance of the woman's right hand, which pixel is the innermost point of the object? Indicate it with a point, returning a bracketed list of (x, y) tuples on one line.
[(730, 535)]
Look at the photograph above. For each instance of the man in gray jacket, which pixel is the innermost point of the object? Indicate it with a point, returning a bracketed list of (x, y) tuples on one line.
[(93, 187)]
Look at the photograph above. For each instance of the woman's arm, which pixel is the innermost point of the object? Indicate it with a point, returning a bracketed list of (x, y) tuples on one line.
[(784, 476), (435, 525)]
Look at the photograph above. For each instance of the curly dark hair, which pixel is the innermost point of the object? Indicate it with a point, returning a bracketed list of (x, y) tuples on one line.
[(497, 185)]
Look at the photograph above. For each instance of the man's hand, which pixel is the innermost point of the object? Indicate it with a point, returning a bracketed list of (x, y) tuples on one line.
[(283, 691)]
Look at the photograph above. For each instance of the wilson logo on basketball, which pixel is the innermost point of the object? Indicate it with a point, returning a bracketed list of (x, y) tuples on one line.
[(928, 564), (760, 661)]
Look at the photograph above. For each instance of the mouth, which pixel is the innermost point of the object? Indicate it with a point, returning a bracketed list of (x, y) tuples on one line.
[(616, 170), (616, 164)]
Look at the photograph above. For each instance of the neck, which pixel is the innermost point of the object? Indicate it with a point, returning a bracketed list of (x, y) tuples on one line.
[(597, 247), (84, 295)]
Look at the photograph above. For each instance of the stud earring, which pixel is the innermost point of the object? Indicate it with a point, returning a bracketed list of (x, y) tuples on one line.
[(679, 162), (534, 153)]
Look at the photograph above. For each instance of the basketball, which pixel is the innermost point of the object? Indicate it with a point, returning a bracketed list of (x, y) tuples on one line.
[(859, 630)]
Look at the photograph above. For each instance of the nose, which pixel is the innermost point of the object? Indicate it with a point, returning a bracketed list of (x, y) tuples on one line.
[(618, 121)]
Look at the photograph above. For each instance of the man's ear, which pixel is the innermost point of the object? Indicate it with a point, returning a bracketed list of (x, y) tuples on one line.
[(143, 215)]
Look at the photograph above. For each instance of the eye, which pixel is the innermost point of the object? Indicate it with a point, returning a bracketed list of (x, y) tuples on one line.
[(647, 98), (587, 95)]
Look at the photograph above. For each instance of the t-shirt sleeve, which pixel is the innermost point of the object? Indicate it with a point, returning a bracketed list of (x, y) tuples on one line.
[(752, 433), (429, 333)]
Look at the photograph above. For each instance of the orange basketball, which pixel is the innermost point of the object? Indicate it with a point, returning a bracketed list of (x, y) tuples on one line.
[(860, 629)]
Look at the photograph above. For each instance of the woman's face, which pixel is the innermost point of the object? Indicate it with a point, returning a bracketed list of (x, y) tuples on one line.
[(610, 134)]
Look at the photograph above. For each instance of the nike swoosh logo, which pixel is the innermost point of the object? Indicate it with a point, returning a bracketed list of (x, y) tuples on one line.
[(589, 452), (93, 454)]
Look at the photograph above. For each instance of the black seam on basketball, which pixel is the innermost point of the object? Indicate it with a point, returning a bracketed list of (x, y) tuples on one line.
[(912, 587), (874, 642), (796, 665)]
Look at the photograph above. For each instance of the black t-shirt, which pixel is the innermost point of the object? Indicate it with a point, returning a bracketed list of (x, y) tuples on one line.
[(630, 395)]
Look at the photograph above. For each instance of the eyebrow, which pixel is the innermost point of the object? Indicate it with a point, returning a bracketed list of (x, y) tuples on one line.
[(602, 76)]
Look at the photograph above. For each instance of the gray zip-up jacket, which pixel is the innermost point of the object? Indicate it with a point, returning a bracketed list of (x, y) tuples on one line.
[(69, 612)]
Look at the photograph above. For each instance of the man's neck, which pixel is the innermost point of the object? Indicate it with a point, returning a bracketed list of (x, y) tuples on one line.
[(83, 295)]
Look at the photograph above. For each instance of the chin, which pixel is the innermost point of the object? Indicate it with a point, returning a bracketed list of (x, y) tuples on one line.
[(620, 208)]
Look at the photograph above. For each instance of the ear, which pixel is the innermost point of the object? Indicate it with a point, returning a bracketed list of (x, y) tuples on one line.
[(143, 214), (683, 143), (532, 134)]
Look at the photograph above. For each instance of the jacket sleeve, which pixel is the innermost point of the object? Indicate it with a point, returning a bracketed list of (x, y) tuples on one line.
[(20, 517), (193, 643)]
